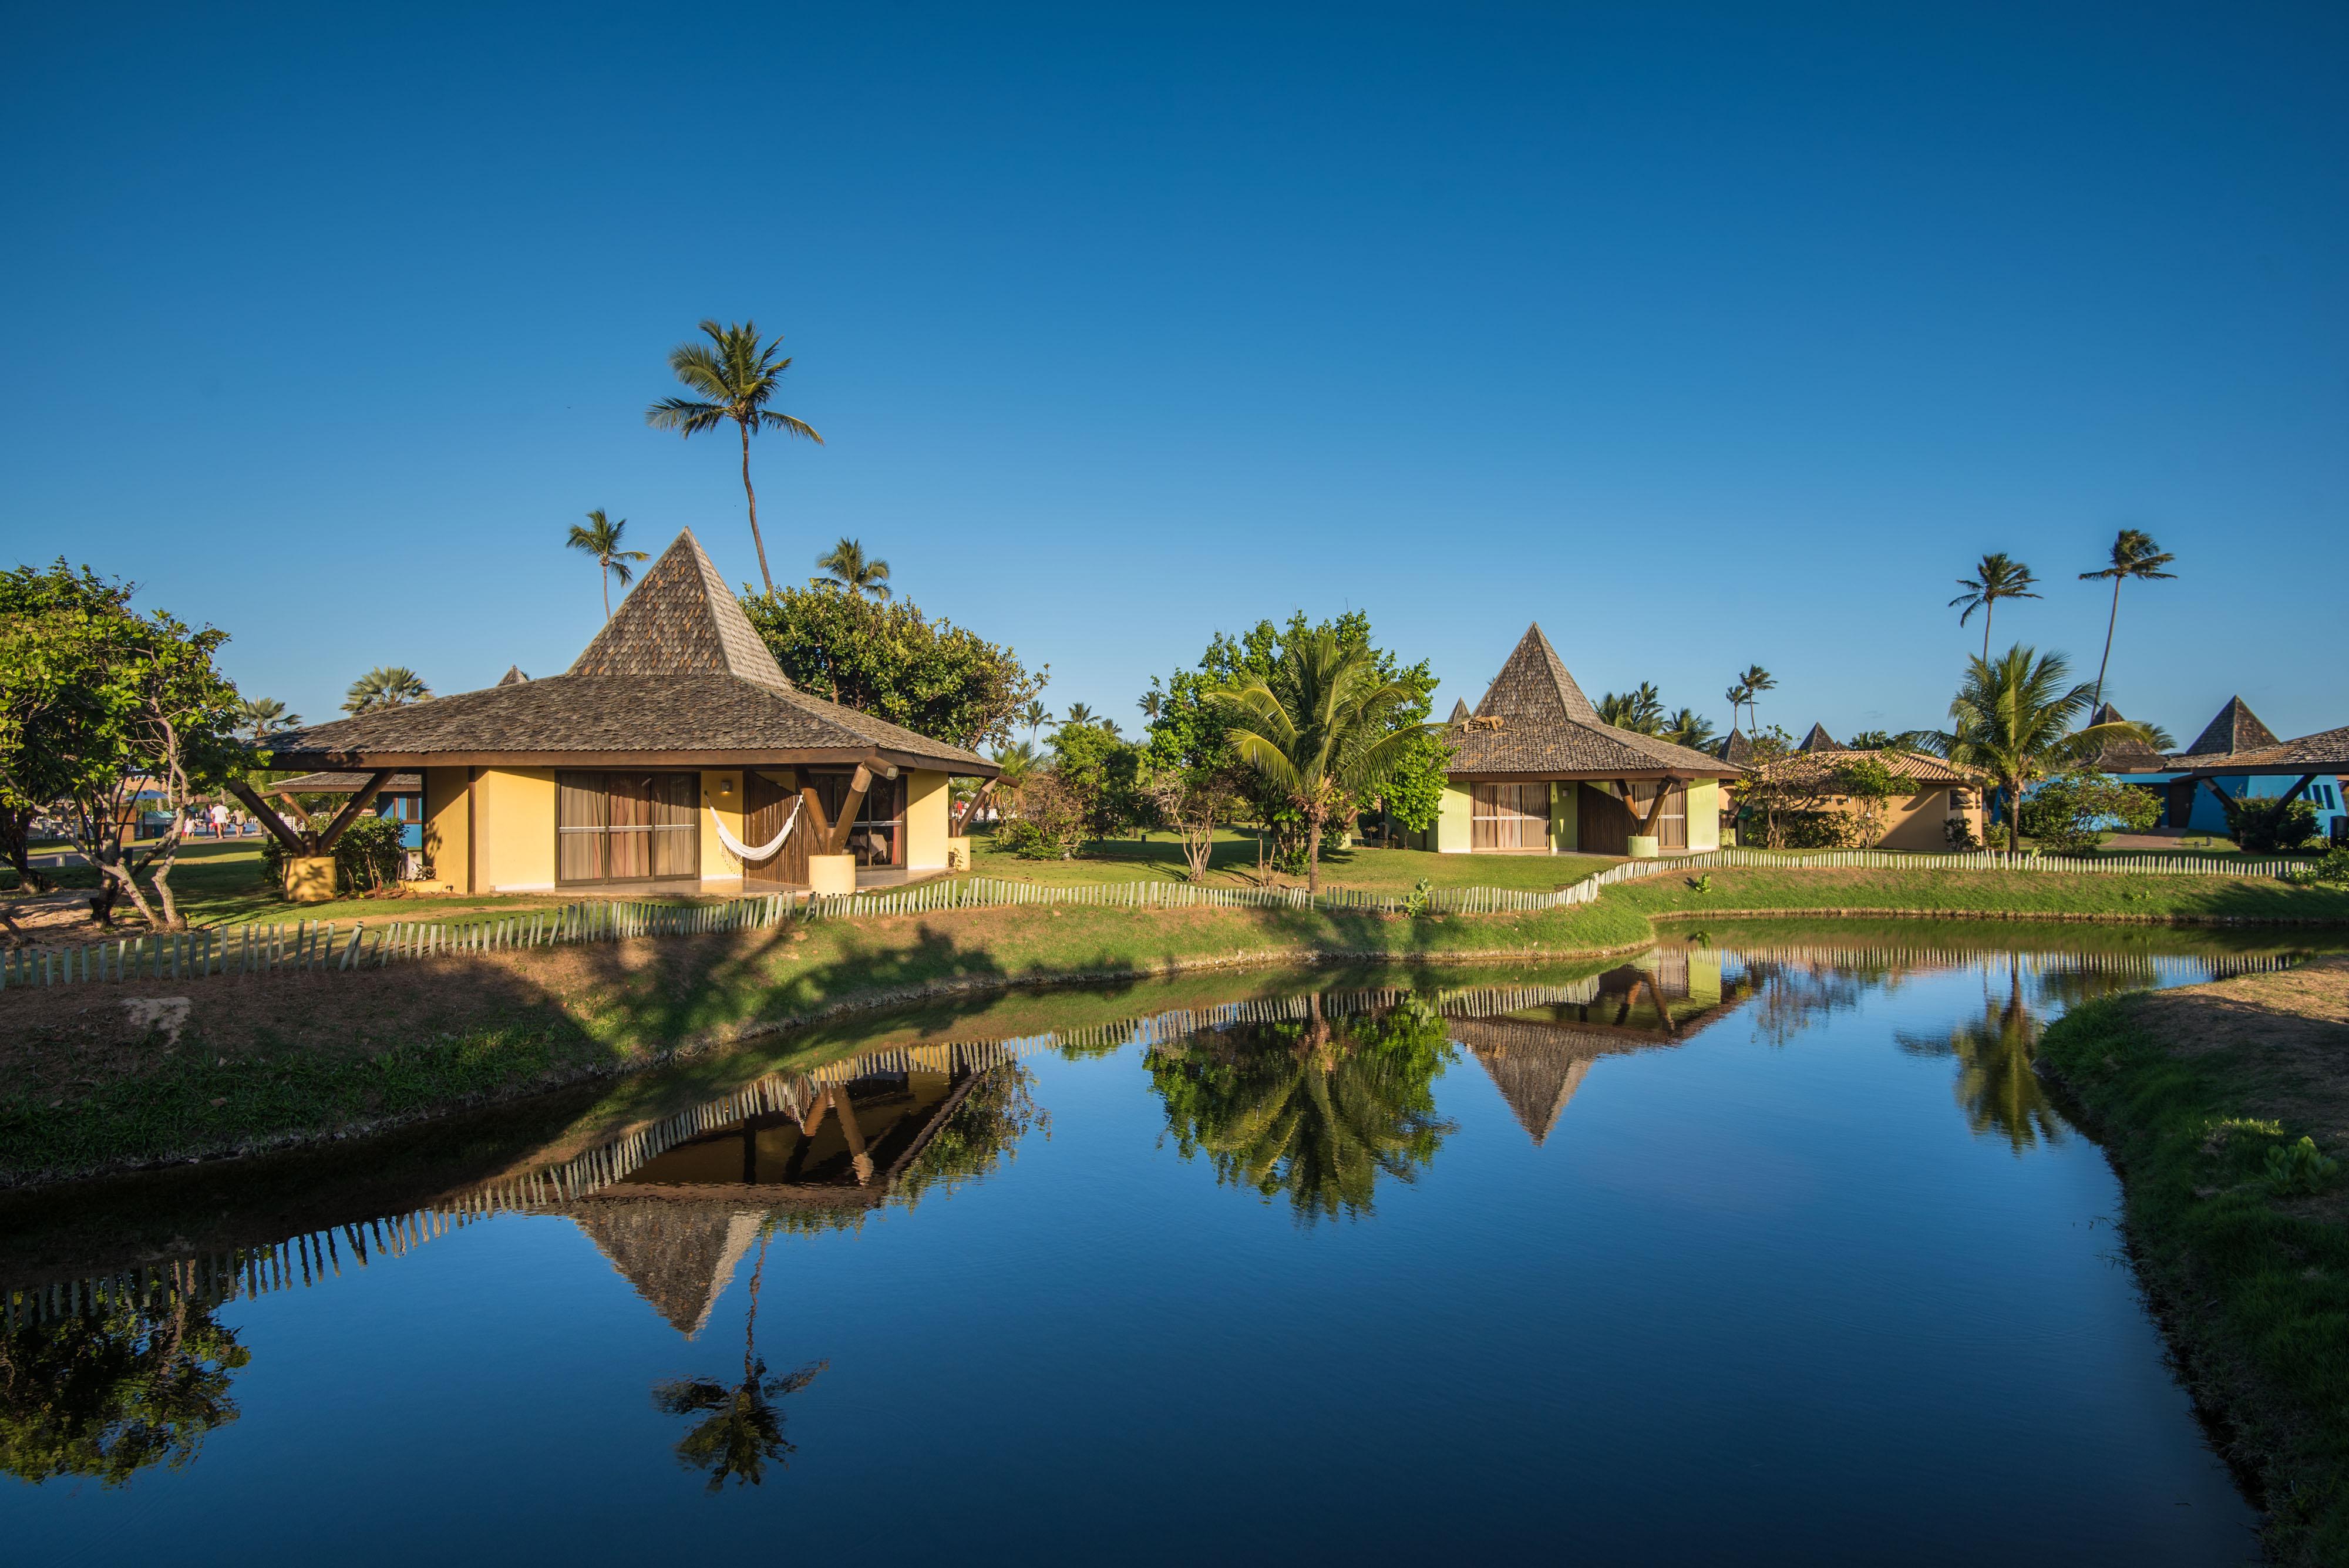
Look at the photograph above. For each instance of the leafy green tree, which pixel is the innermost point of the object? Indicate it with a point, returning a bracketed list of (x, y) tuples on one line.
[(2134, 557), (1320, 729), (893, 662), (1869, 784), (846, 565), (1189, 731), (2072, 812), (733, 375), (99, 707), (2013, 720), (1998, 577), (386, 686), (1100, 773), (600, 536), (1315, 1111), (1894, 740), (104, 1394)]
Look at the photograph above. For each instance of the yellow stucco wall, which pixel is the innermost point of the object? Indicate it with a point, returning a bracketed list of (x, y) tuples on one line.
[(926, 820), (721, 792), (1704, 815), (514, 829), (448, 841), (1915, 822), (1452, 821)]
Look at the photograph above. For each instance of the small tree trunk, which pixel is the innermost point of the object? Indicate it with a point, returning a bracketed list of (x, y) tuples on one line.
[(2014, 815), (752, 496), (1313, 852), (160, 876)]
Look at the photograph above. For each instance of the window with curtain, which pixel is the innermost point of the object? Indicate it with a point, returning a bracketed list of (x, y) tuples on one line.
[(626, 826), (1509, 816)]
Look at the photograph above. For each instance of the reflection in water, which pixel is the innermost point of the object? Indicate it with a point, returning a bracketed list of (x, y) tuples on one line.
[(1315, 1109), (1312, 1098), (130, 1382)]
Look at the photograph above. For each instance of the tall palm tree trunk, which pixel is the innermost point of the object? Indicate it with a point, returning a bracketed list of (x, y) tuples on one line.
[(605, 574), (752, 496), (2110, 621), (1987, 610), (1312, 853)]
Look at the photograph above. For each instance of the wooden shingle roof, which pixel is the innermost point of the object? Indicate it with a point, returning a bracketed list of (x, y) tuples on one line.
[(2327, 751), (2236, 728), (1536, 722), (1818, 739), (678, 673), (2128, 755)]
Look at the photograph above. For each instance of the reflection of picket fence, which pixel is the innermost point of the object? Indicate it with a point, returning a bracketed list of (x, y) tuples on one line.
[(310, 945)]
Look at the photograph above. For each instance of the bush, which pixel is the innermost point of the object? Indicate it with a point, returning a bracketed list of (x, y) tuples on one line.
[(1051, 824), (1816, 830), (2261, 825), (2071, 813), (366, 856), (1959, 833)]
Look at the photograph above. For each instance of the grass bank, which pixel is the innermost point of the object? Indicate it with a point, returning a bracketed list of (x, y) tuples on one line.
[(2203, 1094), (107, 1076)]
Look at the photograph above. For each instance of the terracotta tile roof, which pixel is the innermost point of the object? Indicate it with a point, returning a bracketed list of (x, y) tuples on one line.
[(1917, 766), (2236, 728), (678, 669), (1536, 720)]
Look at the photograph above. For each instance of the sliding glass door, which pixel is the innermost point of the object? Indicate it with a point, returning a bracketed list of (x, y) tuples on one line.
[(626, 828), (1509, 816)]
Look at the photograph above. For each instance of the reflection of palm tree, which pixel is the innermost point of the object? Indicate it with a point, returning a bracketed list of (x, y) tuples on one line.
[(1315, 1111), (1997, 1085), (741, 1429)]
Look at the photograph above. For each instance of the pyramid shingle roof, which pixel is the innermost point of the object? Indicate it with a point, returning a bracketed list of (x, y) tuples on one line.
[(1535, 721), (1818, 739), (2236, 728), (677, 672)]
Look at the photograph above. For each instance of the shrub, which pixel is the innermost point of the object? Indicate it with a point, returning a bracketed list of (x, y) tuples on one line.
[(1959, 833), (2071, 813), (2297, 1168), (1815, 830), (2334, 867), (366, 856), (2261, 825), (1051, 824)]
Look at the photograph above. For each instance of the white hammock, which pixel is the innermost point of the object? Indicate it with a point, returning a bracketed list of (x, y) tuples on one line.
[(743, 852)]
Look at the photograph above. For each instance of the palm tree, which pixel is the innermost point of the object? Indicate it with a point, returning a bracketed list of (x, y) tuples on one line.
[(1997, 576), (258, 718), (1109, 727), (1035, 715), (735, 375), (1738, 695), (2013, 720), (1687, 727), (600, 536), (2135, 554), (1756, 681), (1078, 713), (740, 1430), (1015, 765), (386, 686), (1152, 703), (1641, 710), (849, 569), (1323, 727)]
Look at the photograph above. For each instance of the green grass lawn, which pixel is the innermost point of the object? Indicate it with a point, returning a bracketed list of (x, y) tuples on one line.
[(1233, 864)]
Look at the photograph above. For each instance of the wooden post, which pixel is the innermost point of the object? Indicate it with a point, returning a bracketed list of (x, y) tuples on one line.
[(266, 814), (349, 814)]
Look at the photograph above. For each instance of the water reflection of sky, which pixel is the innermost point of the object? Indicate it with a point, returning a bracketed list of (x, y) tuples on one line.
[(1698, 1248)]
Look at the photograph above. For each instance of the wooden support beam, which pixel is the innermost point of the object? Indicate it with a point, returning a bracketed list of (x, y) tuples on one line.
[(2294, 795), (266, 814), (2224, 798), (1656, 807), (819, 825), (350, 812), (969, 810), (860, 784)]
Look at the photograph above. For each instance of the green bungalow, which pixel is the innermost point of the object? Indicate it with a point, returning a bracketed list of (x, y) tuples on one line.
[(1535, 770)]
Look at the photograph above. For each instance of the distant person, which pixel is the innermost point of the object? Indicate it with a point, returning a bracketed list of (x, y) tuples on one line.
[(220, 820)]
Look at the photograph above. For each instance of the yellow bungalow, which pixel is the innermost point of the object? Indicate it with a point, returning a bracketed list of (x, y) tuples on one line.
[(673, 756), (1535, 770)]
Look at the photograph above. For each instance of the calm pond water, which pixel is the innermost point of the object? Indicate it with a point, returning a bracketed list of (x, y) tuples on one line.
[(1769, 1249)]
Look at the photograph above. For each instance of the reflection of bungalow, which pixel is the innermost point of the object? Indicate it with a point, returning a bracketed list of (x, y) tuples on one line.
[(677, 1226), (671, 746), (1535, 768), (1538, 1057), (2235, 757), (1931, 792)]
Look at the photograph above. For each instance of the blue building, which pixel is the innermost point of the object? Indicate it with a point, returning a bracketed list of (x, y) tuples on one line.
[(2236, 757)]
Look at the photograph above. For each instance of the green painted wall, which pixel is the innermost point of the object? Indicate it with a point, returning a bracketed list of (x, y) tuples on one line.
[(1452, 828), (1564, 820)]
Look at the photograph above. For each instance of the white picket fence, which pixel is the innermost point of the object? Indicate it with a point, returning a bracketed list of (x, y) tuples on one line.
[(313, 945)]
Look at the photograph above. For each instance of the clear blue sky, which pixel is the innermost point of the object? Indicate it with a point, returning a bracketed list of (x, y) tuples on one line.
[(1704, 335)]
